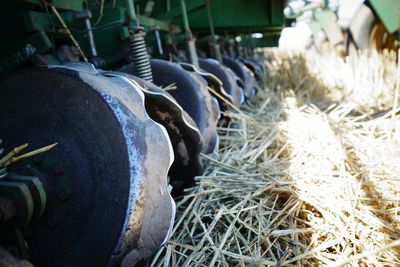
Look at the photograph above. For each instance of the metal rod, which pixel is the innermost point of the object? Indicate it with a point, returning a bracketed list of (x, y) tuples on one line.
[(131, 9), (215, 49), (191, 44), (159, 45), (211, 22), (185, 17), (91, 38), (192, 52)]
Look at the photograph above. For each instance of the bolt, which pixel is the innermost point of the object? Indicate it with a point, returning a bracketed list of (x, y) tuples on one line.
[(136, 29)]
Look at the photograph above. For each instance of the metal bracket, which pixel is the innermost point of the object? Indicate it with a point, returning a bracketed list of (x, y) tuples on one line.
[(23, 200)]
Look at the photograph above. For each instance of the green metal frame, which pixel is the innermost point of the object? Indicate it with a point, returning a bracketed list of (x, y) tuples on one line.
[(35, 29), (230, 16), (176, 11), (72, 5), (388, 12)]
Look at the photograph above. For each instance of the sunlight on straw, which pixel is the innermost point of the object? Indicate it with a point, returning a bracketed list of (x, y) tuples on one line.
[(307, 172)]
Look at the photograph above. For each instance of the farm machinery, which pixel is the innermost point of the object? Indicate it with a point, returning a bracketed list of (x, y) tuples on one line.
[(129, 94), (348, 25)]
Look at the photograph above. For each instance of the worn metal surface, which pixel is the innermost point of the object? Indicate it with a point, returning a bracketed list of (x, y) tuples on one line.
[(257, 68), (214, 83), (192, 94), (227, 78), (182, 130), (108, 146), (244, 74)]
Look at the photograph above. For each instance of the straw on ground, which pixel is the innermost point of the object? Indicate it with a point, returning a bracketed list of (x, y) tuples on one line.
[(313, 178)]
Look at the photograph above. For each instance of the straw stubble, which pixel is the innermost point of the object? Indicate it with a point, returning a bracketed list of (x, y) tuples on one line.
[(307, 173)]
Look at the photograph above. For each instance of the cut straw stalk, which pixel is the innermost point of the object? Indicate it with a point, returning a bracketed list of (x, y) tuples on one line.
[(12, 156), (308, 173)]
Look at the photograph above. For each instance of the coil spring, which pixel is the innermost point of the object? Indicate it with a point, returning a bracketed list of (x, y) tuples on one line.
[(139, 56), (3, 171)]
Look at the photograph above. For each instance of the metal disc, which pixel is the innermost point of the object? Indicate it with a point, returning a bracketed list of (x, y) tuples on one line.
[(192, 94), (108, 147), (255, 69), (213, 82), (182, 130), (228, 80), (244, 74)]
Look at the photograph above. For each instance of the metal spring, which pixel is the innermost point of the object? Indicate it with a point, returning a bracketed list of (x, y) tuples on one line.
[(139, 56), (3, 171)]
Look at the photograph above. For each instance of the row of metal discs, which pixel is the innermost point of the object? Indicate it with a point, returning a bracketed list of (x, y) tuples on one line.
[(116, 207)]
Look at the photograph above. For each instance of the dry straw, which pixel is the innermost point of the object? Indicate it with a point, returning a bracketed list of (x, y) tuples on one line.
[(311, 179)]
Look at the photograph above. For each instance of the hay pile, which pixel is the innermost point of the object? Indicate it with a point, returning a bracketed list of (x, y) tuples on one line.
[(308, 172)]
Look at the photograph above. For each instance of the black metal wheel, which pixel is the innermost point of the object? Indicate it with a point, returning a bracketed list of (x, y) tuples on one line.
[(106, 189)]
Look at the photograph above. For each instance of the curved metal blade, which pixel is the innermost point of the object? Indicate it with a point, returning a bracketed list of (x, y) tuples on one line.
[(192, 94), (227, 78), (116, 157), (182, 130), (244, 74)]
